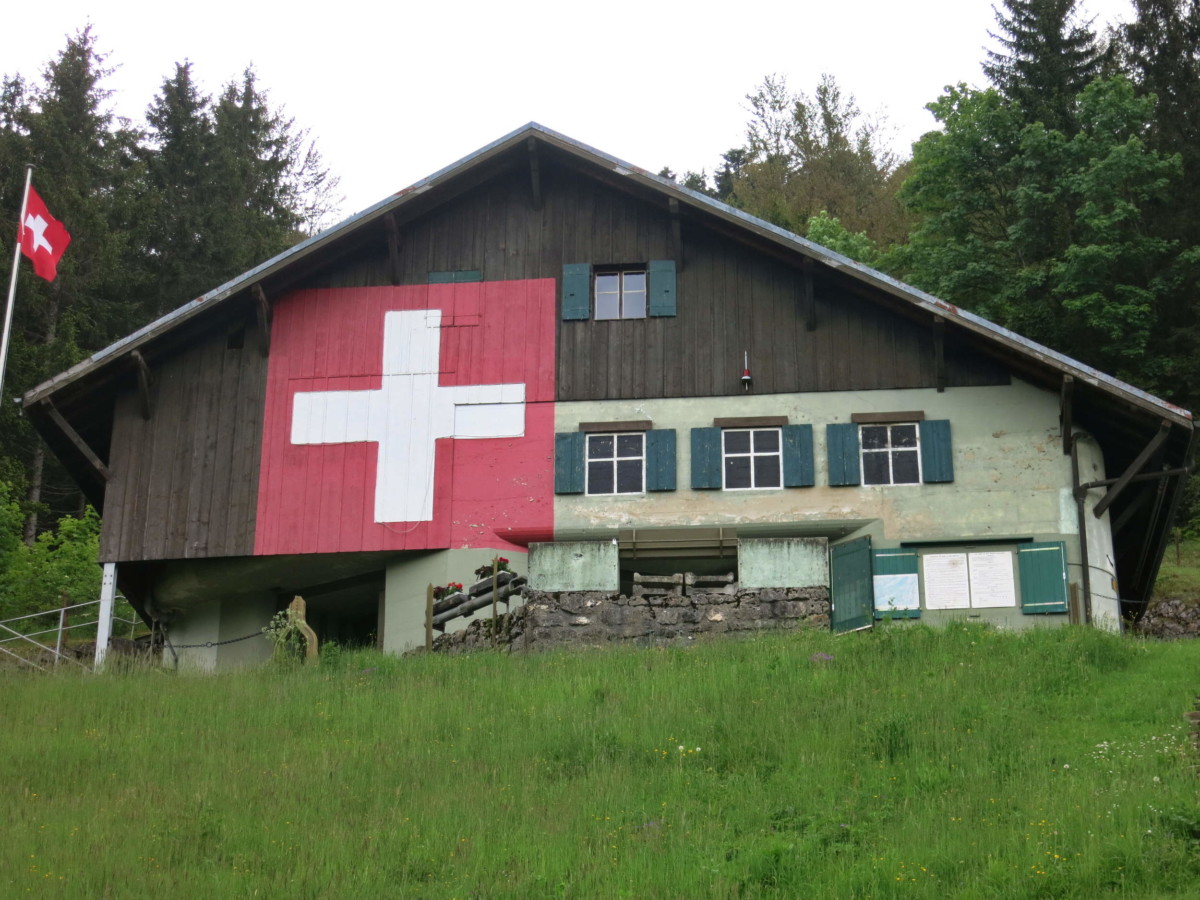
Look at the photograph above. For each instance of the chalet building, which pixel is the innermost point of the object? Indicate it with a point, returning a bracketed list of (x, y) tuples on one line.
[(543, 346)]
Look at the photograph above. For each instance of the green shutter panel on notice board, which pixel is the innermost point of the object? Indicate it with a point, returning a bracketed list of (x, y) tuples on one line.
[(937, 456), (896, 575), (577, 291), (841, 445), (1043, 574), (660, 459), (568, 462), (706, 459), (798, 456), (662, 287)]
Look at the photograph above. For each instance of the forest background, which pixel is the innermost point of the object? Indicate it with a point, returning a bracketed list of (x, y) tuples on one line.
[(1062, 201)]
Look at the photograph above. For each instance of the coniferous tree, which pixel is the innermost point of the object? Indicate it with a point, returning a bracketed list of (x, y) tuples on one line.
[(1047, 58)]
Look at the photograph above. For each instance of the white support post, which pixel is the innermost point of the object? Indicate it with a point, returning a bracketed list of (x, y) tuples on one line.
[(108, 594)]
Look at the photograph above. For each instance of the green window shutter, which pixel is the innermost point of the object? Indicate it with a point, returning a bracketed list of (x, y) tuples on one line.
[(842, 450), (661, 277), (660, 459), (577, 291), (798, 456), (937, 456), (706, 459), (1043, 573), (895, 574), (568, 462), (461, 276)]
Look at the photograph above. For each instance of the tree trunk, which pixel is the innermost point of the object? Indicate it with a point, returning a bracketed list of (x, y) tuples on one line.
[(35, 493)]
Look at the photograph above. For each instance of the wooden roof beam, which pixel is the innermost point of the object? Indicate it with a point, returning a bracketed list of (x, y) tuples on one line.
[(1066, 411), (79, 443), (263, 311), (1133, 470)]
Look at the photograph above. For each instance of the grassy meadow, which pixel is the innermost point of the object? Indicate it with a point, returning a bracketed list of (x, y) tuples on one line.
[(905, 763)]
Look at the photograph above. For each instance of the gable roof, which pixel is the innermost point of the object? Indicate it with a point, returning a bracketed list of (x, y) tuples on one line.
[(533, 132)]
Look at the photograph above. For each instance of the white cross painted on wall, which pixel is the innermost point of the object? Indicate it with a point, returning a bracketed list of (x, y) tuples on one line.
[(407, 414)]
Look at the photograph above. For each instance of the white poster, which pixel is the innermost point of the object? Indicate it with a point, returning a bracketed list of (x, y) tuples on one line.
[(992, 582), (947, 581), (896, 592)]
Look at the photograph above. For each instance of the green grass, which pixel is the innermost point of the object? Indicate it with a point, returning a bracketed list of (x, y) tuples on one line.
[(911, 764), (1179, 575)]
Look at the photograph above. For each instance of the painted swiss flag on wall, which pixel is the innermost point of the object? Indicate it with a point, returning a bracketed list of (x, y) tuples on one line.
[(408, 418)]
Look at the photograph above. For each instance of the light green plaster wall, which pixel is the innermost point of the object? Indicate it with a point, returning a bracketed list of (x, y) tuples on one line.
[(783, 562), (407, 581), (574, 566), (1012, 478)]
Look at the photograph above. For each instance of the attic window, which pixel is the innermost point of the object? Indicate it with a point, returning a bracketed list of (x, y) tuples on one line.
[(621, 294)]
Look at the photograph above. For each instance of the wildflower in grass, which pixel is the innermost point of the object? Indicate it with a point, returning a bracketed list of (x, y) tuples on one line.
[(821, 657)]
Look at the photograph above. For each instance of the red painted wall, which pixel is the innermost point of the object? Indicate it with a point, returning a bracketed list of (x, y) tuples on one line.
[(320, 498)]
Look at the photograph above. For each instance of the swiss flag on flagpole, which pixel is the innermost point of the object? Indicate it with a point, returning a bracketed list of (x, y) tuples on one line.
[(43, 238)]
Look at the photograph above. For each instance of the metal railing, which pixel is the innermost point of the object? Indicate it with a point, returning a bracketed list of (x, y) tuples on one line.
[(41, 638)]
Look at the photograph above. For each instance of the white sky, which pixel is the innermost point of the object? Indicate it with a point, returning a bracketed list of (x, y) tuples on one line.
[(395, 91)]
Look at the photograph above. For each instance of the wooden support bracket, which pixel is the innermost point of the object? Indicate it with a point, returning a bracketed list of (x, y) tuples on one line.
[(145, 382), (939, 352), (73, 436), (1126, 514), (535, 174), (264, 319), (1135, 468), (676, 234), (393, 242), (1065, 412)]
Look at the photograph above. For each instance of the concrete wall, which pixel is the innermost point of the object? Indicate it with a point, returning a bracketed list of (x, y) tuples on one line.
[(574, 566), (407, 581), (783, 562)]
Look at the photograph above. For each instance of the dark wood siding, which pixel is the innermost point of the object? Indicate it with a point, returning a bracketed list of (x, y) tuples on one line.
[(732, 298), (185, 482)]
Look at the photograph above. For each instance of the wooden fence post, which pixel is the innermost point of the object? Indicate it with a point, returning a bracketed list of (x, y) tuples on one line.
[(429, 618)]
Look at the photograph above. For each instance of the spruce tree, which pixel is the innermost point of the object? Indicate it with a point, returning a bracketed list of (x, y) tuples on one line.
[(1047, 58)]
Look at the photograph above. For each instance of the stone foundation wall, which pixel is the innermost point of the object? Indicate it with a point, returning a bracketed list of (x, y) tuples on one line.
[(553, 619), (1170, 618)]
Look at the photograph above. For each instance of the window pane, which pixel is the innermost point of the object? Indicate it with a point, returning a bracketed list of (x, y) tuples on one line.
[(766, 441), (608, 284), (600, 446), (629, 445), (737, 441), (875, 468), (600, 478), (904, 467), (635, 281), (874, 437), (766, 471), (634, 305), (904, 435), (629, 476), (737, 472), (608, 306)]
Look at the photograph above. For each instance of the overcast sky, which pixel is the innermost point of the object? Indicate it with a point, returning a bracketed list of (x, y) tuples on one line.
[(393, 92)]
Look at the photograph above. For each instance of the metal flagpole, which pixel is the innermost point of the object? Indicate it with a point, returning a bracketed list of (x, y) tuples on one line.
[(12, 283)]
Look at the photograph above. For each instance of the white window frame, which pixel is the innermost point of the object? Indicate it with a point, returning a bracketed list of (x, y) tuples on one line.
[(889, 450), (621, 293), (614, 459), (777, 453)]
